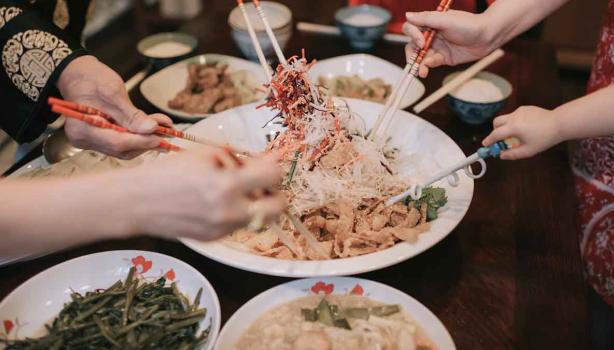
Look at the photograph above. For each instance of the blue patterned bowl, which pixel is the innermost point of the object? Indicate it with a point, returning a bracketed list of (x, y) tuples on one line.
[(362, 35), (476, 113)]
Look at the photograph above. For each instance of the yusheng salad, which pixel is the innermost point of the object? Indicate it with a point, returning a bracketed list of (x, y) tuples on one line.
[(337, 179)]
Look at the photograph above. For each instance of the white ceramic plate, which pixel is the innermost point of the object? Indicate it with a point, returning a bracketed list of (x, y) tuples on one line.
[(37, 301), (162, 86), (36, 163), (424, 150), (253, 309), (367, 67)]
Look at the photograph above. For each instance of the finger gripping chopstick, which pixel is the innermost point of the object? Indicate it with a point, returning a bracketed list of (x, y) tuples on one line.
[(410, 72)]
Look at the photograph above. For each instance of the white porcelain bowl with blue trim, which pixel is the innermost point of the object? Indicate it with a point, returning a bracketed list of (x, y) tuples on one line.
[(476, 113), (362, 25)]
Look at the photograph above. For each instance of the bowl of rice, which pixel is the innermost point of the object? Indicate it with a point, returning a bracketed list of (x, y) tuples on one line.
[(480, 98)]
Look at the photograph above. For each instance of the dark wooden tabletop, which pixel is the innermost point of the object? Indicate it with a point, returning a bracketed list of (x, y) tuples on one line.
[(509, 276)]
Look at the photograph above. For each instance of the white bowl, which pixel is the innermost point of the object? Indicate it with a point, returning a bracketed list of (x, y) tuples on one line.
[(425, 149), (164, 85), (253, 309), (279, 17), (367, 67), (37, 301)]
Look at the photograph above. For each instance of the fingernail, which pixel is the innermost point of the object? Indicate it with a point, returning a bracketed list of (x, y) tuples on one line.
[(409, 15)]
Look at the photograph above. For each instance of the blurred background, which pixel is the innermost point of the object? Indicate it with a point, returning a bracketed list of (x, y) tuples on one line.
[(114, 27)]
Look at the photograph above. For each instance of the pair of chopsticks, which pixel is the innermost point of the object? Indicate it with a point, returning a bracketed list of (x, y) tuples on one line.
[(252, 34), (323, 29), (88, 115), (410, 73)]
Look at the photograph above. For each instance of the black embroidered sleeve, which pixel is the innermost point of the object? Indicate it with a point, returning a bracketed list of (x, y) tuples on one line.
[(34, 53)]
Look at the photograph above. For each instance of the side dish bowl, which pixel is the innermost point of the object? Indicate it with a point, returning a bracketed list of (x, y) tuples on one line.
[(37, 301)]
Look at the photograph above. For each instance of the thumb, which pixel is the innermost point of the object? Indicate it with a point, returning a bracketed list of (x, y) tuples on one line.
[(430, 19), (137, 121)]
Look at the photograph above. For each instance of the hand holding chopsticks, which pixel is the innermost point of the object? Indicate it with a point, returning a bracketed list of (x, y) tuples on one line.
[(94, 117), (410, 72)]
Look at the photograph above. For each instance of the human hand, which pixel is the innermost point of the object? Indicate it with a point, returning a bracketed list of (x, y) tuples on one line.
[(461, 37), (190, 195), (88, 81), (536, 128)]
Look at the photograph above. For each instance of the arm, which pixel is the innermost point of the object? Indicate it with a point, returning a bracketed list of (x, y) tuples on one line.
[(539, 129), (464, 37), (40, 60), (183, 195)]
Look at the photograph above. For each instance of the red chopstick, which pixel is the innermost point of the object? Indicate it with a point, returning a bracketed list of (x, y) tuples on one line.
[(77, 111), (429, 35)]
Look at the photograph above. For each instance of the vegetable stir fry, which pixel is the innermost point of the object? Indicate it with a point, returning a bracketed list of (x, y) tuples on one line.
[(334, 316), (134, 314)]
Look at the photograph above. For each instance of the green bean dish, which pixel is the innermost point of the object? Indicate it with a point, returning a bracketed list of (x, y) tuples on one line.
[(133, 314)]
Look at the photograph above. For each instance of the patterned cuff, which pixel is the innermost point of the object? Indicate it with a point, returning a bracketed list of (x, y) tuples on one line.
[(34, 53)]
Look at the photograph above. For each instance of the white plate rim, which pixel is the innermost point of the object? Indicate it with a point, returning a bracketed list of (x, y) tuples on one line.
[(278, 290), (216, 318)]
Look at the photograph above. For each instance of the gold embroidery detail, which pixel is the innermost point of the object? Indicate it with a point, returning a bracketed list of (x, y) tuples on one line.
[(7, 14), (29, 58)]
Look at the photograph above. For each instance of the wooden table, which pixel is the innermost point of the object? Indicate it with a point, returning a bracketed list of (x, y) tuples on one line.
[(509, 276)]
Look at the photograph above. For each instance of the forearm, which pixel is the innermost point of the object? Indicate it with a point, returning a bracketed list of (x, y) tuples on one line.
[(39, 216), (506, 19), (589, 116)]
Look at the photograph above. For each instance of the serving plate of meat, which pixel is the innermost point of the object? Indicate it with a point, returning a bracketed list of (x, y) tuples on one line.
[(202, 85)]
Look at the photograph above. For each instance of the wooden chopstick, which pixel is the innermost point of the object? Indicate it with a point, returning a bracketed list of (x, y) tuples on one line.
[(459, 80), (410, 72), (255, 42)]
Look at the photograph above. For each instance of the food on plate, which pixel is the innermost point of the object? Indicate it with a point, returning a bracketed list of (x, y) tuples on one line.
[(211, 88), (479, 91), (167, 49), (133, 314), (337, 179), (82, 163), (375, 90), (335, 322)]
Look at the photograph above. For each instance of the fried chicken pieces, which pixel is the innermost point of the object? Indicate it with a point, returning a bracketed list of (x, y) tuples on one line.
[(209, 89)]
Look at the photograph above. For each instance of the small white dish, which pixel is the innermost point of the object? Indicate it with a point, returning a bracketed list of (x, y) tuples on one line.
[(253, 309), (37, 301), (367, 67), (164, 85), (423, 148)]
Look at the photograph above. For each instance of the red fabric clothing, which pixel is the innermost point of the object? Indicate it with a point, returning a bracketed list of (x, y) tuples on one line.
[(398, 8), (593, 167)]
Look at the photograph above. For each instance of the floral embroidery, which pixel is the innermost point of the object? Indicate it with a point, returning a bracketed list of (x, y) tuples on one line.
[(29, 58), (7, 14), (142, 265), (593, 166)]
